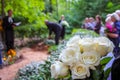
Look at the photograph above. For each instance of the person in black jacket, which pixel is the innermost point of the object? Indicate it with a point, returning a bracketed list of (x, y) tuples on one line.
[(56, 28), (8, 25), (115, 70)]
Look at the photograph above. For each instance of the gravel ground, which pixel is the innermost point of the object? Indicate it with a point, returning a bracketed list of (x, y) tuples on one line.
[(36, 53)]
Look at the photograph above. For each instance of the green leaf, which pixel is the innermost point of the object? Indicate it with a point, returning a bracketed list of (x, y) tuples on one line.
[(105, 60), (110, 5), (65, 77), (96, 75), (106, 73)]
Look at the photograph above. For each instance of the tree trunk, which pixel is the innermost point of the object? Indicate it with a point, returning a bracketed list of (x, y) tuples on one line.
[(51, 7), (2, 8), (66, 5), (2, 15), (57, 7)]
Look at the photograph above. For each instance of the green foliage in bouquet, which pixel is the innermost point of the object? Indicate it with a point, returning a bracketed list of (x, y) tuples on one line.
[(100, 74)]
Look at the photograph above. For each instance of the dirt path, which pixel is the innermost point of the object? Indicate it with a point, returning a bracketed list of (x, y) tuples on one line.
[(35, 53)]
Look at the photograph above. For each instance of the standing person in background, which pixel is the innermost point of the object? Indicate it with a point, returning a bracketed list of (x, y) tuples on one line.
[(91, 23), (114, 35), (56, 28), (118, 12), (85, 23), (8, 25), (62, 18), (64, 24), (109, 25), (112, 24), (63, 27), (98, 24)]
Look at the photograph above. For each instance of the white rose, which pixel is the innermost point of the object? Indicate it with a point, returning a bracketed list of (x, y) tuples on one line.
[(75, 47), (73, 41), (80, 71), (101, 40), (59, 70), (70, 55), (103, 45), (110, 46), (87, 44), (91, 59), (101, 49)]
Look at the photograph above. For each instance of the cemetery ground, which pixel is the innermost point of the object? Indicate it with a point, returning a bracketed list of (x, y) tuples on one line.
[(36, 52)]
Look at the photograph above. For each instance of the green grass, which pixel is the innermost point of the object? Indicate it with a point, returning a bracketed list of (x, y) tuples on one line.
[(52, 48), (84, 32)]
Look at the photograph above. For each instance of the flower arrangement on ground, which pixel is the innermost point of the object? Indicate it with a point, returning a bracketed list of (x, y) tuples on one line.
[(9, 57), (80, 56)]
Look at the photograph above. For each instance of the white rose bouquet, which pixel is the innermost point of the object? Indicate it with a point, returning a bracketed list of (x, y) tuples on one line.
[(81, 56)]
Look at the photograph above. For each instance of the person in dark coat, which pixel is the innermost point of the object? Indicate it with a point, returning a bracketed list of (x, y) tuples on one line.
[(8, 25), (56, 28), (115, 70)]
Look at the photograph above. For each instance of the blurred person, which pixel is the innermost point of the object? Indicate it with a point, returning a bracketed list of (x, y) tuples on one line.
[(62, 18), (108, 15), (98, 24), (115, 69), (85, 23), (109, 25), (64, 24), (56, 28), (118, 12), (114, 36), (91, 23), (8, 25)]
